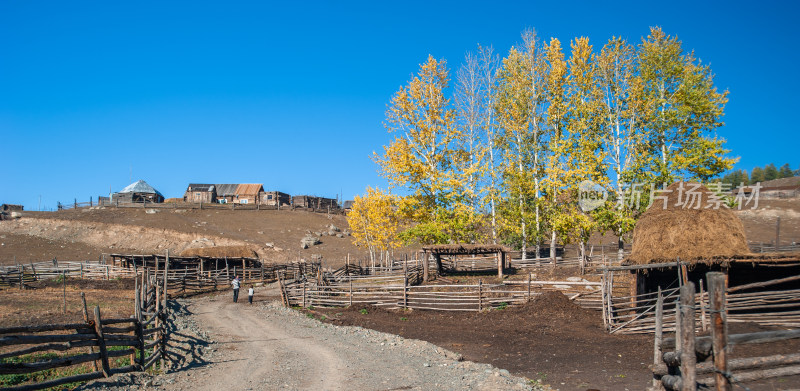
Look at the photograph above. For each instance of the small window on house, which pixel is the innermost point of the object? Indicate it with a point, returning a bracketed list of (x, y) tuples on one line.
[(269, 197)]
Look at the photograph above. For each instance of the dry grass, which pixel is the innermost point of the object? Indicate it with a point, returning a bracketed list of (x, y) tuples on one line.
[(45, 305), (704, 234)]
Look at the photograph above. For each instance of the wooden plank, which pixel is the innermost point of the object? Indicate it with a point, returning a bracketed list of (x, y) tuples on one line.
[(101, 343), (57, 382), (719, 329), (688, 358)]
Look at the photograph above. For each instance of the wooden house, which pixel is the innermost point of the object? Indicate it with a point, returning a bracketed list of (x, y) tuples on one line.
[(275, 198), (137, 192), (226, 192), (248, 193), (314, 203), (10, 208), (198, 192)]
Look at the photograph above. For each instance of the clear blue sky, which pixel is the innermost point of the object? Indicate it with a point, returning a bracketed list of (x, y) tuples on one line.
[(293, 94)]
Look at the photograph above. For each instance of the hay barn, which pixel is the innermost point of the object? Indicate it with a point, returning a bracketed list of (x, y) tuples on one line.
[(689, 224), (199, 192), (137, 192)]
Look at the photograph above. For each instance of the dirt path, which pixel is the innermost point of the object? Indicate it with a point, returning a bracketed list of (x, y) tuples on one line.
[(267, 347), (253, 350)]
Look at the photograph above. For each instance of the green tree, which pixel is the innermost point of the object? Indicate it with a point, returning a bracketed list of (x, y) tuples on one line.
[(683, 110), (785, 171), (757, 175), (770, 172)]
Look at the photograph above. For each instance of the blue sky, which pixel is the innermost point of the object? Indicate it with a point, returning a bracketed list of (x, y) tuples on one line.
[(293, 95)]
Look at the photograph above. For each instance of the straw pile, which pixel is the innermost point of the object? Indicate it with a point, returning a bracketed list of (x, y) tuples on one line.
[(687, 229)]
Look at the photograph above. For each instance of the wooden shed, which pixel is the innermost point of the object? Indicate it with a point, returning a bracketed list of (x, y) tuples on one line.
[(275, 198), (314, 202), (701, 239), (199, 192), (137, 192)]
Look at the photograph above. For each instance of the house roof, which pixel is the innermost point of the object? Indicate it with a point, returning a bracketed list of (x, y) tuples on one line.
[(249, 189), (140, 186), (200, 187), (226, 189)]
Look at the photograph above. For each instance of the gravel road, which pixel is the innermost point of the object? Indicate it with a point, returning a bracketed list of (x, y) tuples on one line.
[(264, 346)]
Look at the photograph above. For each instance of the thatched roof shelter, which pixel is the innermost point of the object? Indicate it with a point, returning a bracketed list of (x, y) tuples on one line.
[(463, 249), (689, 222)]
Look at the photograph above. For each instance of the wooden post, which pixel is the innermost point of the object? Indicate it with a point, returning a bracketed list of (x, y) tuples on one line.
[(101, 342), (405, 291), (166, 270), (480, 295), (603, 298), (687, 347), (777, 233), (304, 294), (658, 339), (530, 276), (719, 328), (499, 257), (64, 280), (351, 292), (138, 320), (425, 266), (86, 320), (703, 320)]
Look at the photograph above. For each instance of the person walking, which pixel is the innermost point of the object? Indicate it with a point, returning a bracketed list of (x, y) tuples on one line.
[(250, 293), (235, 284)]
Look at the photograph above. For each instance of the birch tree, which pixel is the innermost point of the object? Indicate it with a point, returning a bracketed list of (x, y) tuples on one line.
[(474, 97), (683, 108), (374, 222), (518, 109), (622, 135), (425, 158)]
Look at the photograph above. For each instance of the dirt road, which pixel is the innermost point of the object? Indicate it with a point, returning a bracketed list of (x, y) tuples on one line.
[(255, 351), (267, 347)]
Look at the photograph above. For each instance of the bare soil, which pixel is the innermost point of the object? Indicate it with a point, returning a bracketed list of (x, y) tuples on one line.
[(550, 339)]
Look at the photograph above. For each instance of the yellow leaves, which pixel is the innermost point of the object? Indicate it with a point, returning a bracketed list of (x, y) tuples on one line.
[(373, 220)]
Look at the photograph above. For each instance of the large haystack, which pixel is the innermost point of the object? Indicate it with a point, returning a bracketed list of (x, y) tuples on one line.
[(691, 230)]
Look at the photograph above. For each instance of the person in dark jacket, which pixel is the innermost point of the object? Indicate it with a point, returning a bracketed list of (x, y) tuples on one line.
[(235, 284)]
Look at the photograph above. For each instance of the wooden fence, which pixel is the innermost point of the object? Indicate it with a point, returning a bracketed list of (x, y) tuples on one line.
[(400, 290), (184, 279), (678, 367), (141, 337), (627, 314)]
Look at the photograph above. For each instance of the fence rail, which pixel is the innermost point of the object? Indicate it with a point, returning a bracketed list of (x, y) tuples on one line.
[(637, 314), (677, 368)]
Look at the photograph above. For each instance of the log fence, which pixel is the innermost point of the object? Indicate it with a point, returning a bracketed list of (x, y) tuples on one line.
[(142, 338), (636, 314), (678, 361)]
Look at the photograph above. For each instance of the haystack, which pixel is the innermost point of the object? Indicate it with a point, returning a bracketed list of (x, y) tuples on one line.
[(688, 227)]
